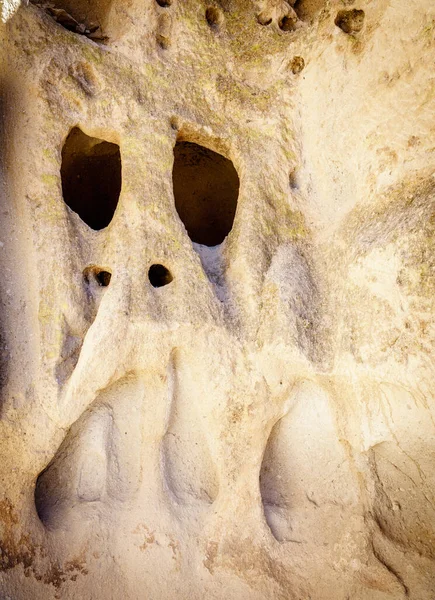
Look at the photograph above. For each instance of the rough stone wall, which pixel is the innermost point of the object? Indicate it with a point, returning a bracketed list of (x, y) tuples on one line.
[(247, 421)]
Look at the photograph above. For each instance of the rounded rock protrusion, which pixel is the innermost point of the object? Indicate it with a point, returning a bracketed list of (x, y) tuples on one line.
[(264, 18), (174, 123)]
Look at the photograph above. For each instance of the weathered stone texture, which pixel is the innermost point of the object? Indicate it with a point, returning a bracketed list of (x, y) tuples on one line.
[(252, 420)]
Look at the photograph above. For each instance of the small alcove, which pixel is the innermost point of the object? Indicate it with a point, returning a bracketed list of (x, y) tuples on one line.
[(206, 189), (91, 178)]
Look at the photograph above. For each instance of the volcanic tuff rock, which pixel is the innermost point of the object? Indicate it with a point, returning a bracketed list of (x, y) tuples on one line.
[(217, 248)]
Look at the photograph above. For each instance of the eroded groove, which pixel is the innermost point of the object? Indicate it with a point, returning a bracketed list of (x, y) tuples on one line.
[(74, 328), (391, 570), (275, 504), (188, 468)]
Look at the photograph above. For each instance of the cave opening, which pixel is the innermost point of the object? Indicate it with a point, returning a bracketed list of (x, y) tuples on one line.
[(91, 178), (206, 189)]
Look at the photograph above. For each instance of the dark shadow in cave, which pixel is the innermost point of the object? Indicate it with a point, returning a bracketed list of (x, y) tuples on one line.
[(91, 178), (206, 189)]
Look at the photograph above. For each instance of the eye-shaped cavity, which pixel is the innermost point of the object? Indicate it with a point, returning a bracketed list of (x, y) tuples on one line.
[(206, 189), (91, 178), (159, 276)]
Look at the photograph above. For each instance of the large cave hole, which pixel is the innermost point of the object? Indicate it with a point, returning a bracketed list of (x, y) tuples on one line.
[(206, 188), (91, 178)]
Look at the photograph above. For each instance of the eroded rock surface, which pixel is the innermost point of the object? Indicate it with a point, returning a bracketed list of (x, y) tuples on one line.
[(217, 296)]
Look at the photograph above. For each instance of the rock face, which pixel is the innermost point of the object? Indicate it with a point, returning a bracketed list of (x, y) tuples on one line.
[(217, 247)]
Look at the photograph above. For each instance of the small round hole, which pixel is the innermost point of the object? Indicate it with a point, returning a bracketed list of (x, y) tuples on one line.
[(164, 3), (159, 276), (98, 275), (287, 23), (103, 278), (213, 17)]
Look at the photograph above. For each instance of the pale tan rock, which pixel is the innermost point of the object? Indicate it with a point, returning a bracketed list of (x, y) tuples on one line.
[(252, 420), (7, 9)]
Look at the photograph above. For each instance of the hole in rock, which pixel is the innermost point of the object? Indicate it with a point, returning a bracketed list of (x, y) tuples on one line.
[(206, 188), (101, 276), (159, 276), (287, 23), (213, 16), (91, 178), (164, 3), (350, 21), (297, 65)]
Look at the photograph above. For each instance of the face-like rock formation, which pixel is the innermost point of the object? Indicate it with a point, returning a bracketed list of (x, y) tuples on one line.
[(217, 248)]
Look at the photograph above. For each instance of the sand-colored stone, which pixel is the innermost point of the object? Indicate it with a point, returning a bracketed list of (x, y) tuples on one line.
[(260, 425)]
